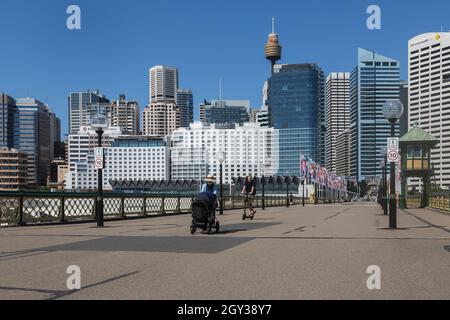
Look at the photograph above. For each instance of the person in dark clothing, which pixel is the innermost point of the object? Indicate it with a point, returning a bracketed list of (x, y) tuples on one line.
[(249, 190)]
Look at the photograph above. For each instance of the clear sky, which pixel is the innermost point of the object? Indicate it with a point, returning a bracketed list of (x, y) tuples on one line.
[(206, 39)]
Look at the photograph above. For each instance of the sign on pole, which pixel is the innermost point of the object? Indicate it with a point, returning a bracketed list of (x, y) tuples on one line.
[(393, 149), (98, 158)]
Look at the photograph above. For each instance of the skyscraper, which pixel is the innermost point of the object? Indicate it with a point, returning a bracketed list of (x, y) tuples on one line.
[(160, 119), (163, 84), (8, 113), (125, 115), (185, 102), (80, 108), (374, 81), (337, 112), (33, 137), (225, 111), (404, 88), (295, 102), (429, 95)]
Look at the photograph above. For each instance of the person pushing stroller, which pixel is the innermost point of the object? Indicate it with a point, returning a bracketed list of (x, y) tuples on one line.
[(204, 207)]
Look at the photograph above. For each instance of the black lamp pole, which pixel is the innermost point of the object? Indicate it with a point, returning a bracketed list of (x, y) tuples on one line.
[(287, 192), (385, 196), (263, 194), (303, 193), (392, 197), (221, 188), (99, 203)]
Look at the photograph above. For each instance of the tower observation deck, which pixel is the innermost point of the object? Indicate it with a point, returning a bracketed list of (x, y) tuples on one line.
[(273, 49)]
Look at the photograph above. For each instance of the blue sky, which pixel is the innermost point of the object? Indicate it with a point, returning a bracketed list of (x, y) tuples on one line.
[(205, 39)]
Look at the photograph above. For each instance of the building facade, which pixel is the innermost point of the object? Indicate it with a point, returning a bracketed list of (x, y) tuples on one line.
[(185, 102), (375, 80), (160, 119), (163, 84), (8, 114), (33, 136), (295, 104), (248, 148), (125, 115), (404, 126), (225, 111), (337, 101), (342, 154), (262, 117), (13, 170), (126, 158), (81, 107), (429, 95), (79, 147)]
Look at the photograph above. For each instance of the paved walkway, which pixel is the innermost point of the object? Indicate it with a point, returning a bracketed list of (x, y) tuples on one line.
[(316, 252)]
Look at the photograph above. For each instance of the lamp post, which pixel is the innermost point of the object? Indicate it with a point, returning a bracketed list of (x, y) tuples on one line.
[(263, 183), (392, 111), (99, 123), (303, 192), (221, 159), (287, 189)]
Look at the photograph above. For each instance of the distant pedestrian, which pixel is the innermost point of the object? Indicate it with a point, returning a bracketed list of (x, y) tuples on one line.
[(249, 190)]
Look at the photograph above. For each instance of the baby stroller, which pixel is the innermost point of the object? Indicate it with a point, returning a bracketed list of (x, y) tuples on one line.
[(204, 215)]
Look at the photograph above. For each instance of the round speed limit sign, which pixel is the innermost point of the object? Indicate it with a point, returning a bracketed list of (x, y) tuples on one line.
[(393, 156), (99, 163)]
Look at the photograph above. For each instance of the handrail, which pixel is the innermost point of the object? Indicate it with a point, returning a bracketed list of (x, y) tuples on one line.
[(25, 208)]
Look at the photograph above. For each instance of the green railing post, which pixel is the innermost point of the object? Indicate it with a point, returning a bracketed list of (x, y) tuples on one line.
[(20, 222), (144, 205), (163, 200), (63, 215), (178, 205), (122, 206)]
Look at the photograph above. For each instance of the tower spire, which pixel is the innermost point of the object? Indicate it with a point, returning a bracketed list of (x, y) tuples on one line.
[(273, 49)]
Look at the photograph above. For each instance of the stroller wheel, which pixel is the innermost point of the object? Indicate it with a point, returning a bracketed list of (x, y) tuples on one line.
[(193, 230), (217, 227), (244, 216)]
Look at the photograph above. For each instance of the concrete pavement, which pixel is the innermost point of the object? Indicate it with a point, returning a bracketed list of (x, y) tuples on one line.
[(316, 252)]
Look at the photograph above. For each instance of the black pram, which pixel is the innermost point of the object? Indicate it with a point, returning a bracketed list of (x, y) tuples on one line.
[(204, 213)]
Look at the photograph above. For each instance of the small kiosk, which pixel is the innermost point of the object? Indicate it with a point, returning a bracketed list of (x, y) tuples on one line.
[(415, 149)]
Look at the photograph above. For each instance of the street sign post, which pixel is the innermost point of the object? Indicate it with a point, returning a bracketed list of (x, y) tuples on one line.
[(393, 149), (98, 158)]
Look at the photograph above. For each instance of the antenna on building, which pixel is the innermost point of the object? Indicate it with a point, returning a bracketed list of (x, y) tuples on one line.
[(273, 24), (220, 89)]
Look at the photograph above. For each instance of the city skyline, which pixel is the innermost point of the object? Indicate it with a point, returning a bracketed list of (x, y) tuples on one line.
[(69, 70)]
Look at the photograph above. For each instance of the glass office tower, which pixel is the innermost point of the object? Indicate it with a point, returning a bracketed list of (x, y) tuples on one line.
[(375, 80), (33, 137), (296, 103), (185, 102)]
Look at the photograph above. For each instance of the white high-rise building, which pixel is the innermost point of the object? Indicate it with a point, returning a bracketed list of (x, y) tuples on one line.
[(429, 95), (126, 158), (163, 84), (79, 147), (337, 104), (249, 150)]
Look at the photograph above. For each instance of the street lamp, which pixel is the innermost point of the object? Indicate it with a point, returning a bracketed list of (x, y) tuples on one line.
[(303, 192), (385, 198), (392, 111), (287, 188), (220, 157), (99, 123)]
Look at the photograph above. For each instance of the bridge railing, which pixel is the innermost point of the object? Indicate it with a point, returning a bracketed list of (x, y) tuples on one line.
[(439, 200), (22, 208)]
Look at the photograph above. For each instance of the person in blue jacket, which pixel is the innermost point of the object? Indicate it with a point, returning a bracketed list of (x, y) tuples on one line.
[(209, 191)]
